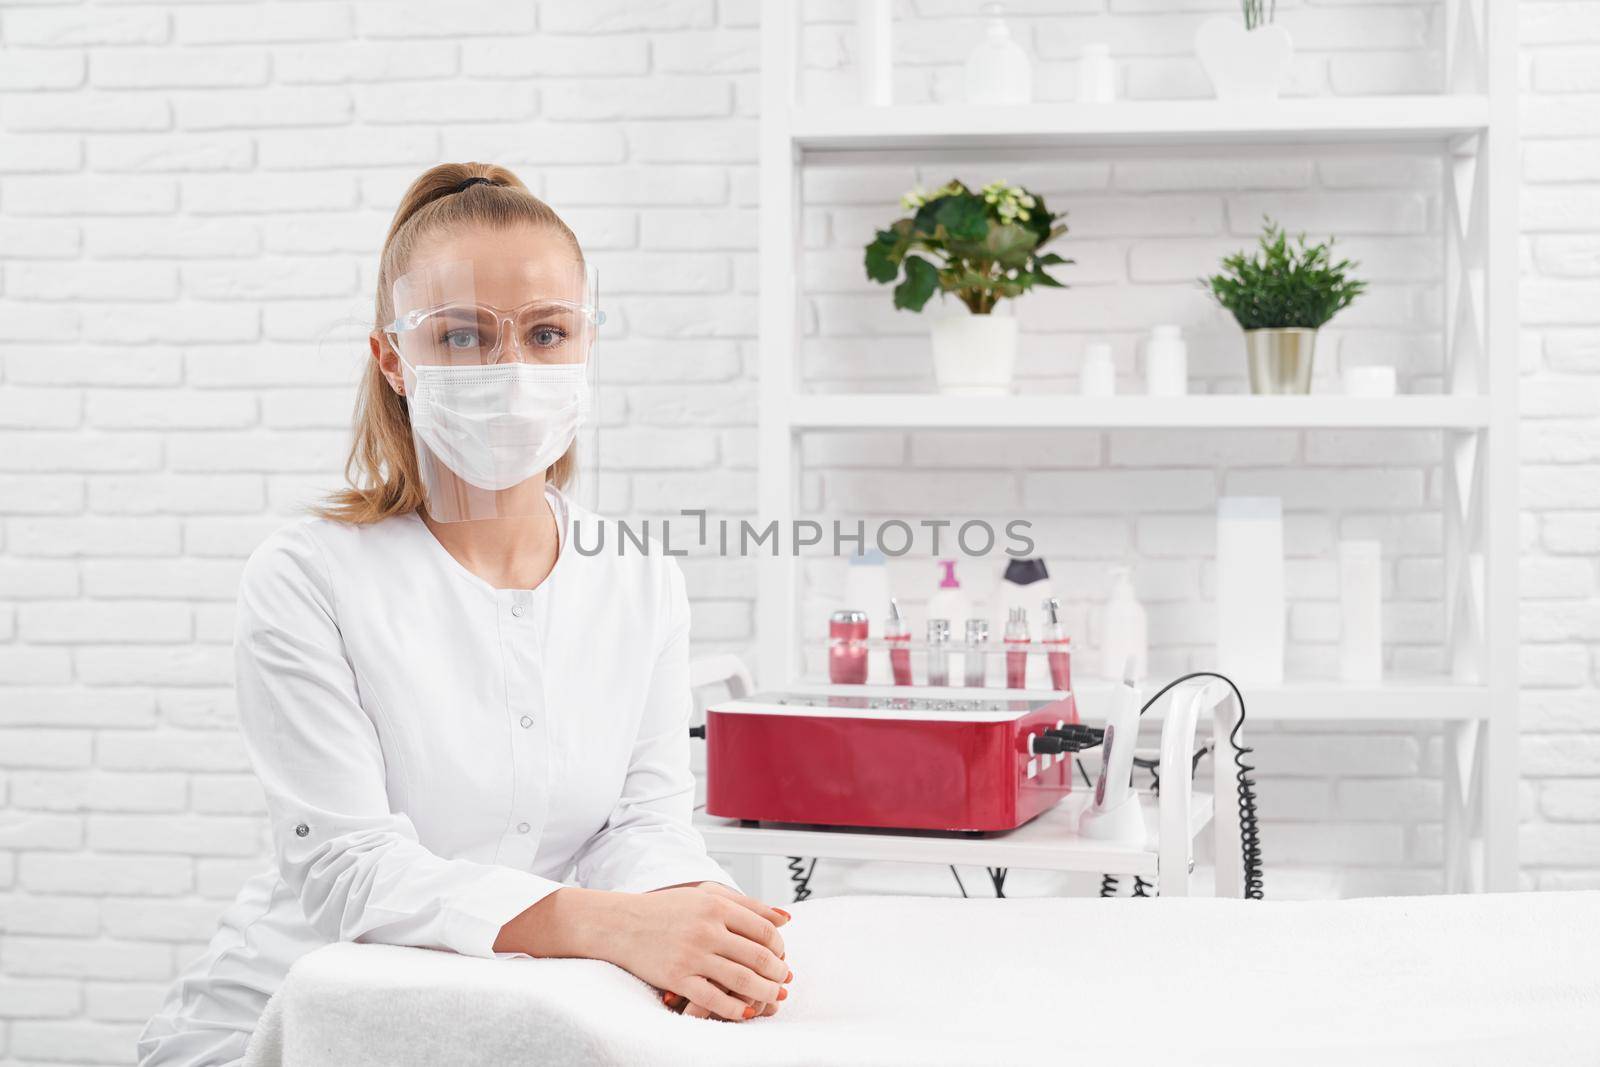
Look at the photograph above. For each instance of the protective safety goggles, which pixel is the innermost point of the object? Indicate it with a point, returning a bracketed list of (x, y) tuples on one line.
[(474, 313)]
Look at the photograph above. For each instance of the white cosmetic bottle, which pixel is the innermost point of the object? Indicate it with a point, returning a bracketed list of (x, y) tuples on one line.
[(1361, 611), (1166, 362), (998, 71), (1125, 637), (1097, 75), (1099, 374)]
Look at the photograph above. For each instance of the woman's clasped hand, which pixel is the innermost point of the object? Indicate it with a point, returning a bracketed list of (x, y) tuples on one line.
[(722, 956), (713, 952)]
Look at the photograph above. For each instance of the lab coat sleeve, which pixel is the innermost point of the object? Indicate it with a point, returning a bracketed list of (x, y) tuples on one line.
[(356, 867), (649, 842)]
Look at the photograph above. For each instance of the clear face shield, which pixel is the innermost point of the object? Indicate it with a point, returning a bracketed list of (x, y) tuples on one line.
[(499, 384)]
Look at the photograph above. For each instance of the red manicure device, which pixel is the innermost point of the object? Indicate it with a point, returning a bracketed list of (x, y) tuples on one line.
[(880, 756)]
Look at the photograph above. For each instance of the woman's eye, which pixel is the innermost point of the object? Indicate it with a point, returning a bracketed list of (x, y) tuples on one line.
[(461, 339), (547, 336)]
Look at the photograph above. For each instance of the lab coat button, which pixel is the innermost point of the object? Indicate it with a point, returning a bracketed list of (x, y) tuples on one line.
[(302, 830), (522, 827), (526, 722), (516, 609)]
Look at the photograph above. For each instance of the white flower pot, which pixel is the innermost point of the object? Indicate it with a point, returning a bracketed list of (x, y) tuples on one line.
[(974, 354), (1244, 64)]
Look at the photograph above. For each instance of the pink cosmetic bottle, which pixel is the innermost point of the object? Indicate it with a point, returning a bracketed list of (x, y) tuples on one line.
[(898, 633), (1058, 649), (1017, 649)]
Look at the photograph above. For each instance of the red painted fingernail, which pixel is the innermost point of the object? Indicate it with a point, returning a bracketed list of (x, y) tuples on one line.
[(789, 977), (785, 914), (749, 1011), (783, 994)]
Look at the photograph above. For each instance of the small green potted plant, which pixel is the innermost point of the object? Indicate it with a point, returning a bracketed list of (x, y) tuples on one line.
[(982, 247), (1281, 297)]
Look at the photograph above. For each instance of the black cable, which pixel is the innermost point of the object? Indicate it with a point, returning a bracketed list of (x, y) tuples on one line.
[(1154, 767), (958, 881), (1108, 885), (997, 875), (800, 875)]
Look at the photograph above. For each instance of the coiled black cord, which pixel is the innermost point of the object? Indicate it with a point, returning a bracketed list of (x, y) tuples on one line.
[(1249, 824), (800, 875)]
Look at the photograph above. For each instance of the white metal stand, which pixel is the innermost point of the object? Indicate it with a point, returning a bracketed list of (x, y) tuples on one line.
[(1473, 124)]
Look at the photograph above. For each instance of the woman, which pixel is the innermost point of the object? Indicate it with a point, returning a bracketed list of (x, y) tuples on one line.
[(469, 737)]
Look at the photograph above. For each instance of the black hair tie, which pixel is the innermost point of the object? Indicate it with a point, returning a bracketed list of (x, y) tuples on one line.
[(473, 181)]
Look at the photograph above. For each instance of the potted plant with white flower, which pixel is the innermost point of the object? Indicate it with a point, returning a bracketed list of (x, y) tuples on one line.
[(982, 247)]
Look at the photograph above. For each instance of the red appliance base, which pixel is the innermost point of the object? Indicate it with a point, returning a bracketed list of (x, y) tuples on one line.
[(901, 761)]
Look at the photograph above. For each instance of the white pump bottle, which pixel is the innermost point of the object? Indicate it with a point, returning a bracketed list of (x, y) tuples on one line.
[(1125, 636)]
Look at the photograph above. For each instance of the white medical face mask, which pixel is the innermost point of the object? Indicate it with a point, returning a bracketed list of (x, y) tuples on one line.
[(498, 425)]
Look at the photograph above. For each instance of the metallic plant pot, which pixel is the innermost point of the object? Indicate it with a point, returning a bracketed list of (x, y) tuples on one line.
[(1280, 360)]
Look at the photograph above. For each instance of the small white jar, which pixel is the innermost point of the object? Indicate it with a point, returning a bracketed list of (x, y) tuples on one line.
[(1099, 375), (1166, 362)]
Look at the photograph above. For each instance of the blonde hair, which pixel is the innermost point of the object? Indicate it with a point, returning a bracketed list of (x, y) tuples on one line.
[(382, 466)]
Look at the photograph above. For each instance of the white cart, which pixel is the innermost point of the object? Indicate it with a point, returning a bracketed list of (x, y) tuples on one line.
[(1174, 819)]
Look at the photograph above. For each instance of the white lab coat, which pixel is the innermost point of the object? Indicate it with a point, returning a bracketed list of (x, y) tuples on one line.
[(438, 755)]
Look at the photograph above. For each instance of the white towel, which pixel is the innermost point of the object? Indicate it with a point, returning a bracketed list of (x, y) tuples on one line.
[(1497, 979)]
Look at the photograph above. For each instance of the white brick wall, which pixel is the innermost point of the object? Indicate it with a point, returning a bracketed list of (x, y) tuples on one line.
[(191, 200)]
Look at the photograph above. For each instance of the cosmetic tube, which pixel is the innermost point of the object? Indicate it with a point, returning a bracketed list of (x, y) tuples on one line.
[(977, 653), (1250, 583), (938, 651), (1017, 649), (898, 634), (1361, 611), (1058, 650)]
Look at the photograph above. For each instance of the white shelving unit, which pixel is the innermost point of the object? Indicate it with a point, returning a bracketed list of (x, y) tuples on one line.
[(1471, 124), (903, 411)]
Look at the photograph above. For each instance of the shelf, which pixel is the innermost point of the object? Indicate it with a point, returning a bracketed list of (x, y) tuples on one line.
[(1047, 843), (901, 411), (1320, 120), (1400, 700)]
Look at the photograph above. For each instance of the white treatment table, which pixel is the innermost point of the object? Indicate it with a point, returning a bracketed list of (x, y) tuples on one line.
[(1495, 979)]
